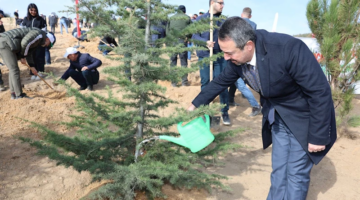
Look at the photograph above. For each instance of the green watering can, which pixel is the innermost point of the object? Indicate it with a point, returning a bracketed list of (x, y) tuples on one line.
[(195, 135)]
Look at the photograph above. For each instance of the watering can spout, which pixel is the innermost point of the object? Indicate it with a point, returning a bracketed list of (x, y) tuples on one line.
[(175, 140)]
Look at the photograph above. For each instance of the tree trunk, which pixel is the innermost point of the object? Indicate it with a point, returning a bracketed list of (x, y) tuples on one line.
[(140, 125), (147, 30)]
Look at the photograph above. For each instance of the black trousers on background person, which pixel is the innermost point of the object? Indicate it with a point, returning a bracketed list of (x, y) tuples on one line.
[(85, 78), (39, 59), (52, 28), (1, 81), (183, 62)]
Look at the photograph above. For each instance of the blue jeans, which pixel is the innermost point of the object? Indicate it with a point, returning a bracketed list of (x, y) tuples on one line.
[(241, 86), (63, 23), (47, 56), (218, 66), (291, 165), (189, 52), (104, 49)]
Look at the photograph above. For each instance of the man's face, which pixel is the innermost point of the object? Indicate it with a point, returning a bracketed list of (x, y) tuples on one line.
[(47, 42), (236, 55), (218, 6), (72, 57)]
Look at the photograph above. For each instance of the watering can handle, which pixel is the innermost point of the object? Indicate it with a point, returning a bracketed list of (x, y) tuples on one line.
[(179, 126), (207, 120)]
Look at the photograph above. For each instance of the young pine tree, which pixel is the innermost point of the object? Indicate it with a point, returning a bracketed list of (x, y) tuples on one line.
[(336, 27), (110, 130)]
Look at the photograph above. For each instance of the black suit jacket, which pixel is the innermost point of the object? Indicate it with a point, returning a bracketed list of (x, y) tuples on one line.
[(293, 82)]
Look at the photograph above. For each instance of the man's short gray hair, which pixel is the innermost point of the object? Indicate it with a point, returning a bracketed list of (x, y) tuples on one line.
[(247, 11), (238, 30)]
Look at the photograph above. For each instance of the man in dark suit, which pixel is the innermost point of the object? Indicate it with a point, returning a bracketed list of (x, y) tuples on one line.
[(299, 116)]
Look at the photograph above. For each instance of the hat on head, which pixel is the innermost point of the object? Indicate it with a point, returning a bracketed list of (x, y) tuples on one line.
[(182, 8), (70, 50), (202, 11), (51, 37), (2, 13)]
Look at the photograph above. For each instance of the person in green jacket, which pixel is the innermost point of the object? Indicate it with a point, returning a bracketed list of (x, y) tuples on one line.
[(177, 23), (18, 44)]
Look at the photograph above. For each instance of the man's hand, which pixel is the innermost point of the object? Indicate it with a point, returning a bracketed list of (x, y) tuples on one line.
[(33, 70), (23, 61), (210, 44), (191, 108), (315, 148), (84, 68)]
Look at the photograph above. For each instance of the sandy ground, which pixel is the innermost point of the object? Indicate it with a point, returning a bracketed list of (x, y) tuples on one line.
[(24, 175)]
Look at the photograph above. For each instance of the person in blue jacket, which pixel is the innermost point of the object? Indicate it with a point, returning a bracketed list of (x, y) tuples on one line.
[(83, 69), (218, 65)]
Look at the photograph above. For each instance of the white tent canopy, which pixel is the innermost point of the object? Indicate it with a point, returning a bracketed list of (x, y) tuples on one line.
[(311, 43)]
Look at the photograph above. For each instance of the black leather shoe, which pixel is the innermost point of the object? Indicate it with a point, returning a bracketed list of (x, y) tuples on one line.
[(233, 104), (82, 88), (22, 96), (90, 87), (226, 120), (185, 84)]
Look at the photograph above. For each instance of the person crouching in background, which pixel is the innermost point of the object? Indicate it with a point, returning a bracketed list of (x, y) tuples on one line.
[(83, 69), (106, 44)]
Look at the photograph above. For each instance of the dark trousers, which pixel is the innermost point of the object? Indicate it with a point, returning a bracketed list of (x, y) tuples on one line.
[(183, 62), (128, 64), (39, 59), (232, 90), (291, 165), (218, 66), (47, 56), (53, 28), (1, 81), (85, 78)]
